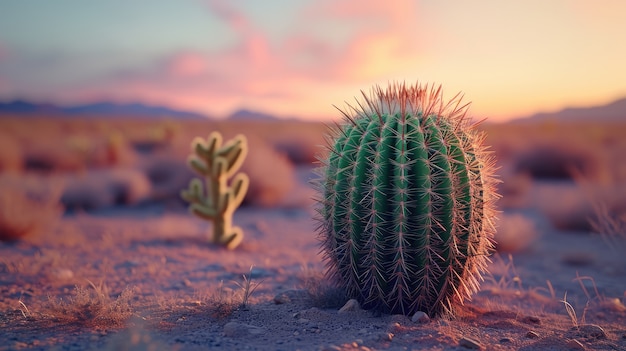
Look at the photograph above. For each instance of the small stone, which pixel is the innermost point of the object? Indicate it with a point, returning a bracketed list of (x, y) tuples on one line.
[(531, 320), (394, 327), (591, 331), (532, 334), (63, 273), (420, 317), (383, 336), (350, 306), (575, 345), (290, 296), (506, 340), (234, 329), (470, 343)]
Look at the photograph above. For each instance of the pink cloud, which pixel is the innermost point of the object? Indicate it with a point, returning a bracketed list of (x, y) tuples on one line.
[(187, 64), (283, 74)]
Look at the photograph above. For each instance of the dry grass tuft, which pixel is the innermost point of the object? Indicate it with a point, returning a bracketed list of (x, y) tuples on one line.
[(610, 224), (247, 288), (321, 291), (222, 302), (503, 275), (93, 306)]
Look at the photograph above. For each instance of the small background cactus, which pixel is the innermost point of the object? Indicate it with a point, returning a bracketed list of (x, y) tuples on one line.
[(215, 199), (406, 208)]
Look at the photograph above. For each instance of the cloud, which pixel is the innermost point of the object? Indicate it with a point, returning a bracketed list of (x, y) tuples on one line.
[(187, 64), (260, 71)]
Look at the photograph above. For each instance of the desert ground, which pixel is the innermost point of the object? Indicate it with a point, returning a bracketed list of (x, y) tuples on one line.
[(98, 250)]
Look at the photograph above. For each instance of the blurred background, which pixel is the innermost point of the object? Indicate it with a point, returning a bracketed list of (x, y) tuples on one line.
[(100, 101)]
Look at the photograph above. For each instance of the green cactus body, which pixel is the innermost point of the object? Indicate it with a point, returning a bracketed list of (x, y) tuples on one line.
[(214, 199), (406, 207)]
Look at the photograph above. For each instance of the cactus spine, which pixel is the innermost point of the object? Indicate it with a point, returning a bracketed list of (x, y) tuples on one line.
[(216, 200), (407, 202)]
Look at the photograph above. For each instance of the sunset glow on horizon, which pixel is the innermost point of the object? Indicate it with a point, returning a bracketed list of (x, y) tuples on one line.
[(299, 58)]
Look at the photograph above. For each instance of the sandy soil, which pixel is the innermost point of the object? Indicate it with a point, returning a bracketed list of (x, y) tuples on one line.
[(145, 279), (141, 276)]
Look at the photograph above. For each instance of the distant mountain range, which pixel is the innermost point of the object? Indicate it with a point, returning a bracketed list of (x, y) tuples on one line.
[(248, 115), (612, 112), (25, 108)]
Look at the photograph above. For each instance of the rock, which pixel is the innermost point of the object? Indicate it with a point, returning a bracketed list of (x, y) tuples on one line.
[(420, 317), (350, 306), (234, 329), (470, 343), (591, 331)]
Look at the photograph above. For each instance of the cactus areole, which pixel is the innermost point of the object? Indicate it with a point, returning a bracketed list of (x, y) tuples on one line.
[(406, 202)]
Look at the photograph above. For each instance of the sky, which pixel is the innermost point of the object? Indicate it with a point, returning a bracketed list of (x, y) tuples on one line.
[(300, 57)]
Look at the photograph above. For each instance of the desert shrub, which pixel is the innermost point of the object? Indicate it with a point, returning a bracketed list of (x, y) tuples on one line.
[(104, 188), (46, 160), (300, 151), (558, 161), (168, 175), (514, 187), (10, 154), (271, 174), (27, 205), (515, 232), (112, 151)]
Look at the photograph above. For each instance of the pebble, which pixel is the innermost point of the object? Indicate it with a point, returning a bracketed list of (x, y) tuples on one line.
[(63, 273), (470, 343), (420, 317), (350, 306), (575, 345), (290, 296), (591, 331), (532, 335), (234, 329), (383, 336)]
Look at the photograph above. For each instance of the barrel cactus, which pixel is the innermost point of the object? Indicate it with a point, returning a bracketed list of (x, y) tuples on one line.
[(406, 205)]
